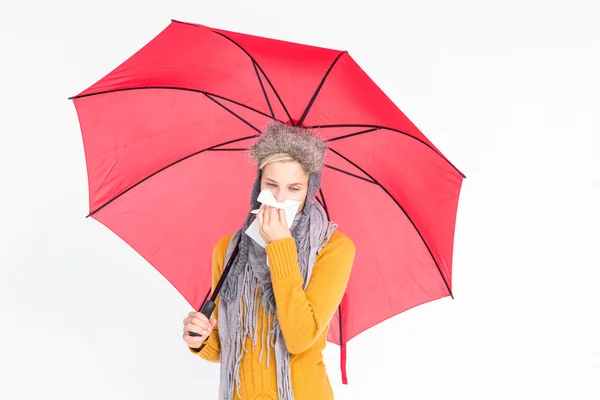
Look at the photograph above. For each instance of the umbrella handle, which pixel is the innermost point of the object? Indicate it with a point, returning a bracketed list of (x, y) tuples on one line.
[(207, 310), (209, 306)]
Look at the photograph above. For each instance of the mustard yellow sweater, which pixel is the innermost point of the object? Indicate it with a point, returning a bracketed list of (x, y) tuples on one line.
[(304, 318)]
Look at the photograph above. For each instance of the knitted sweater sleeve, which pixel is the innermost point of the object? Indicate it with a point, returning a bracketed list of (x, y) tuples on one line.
[(211, 349), (304, 315)]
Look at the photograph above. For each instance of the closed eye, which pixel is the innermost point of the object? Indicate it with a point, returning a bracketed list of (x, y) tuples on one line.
[(293, 189)]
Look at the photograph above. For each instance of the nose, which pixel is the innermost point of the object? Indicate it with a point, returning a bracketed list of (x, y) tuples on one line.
[(279, 196)]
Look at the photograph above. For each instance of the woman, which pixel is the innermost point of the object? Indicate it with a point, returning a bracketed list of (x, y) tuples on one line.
[(275, 306)]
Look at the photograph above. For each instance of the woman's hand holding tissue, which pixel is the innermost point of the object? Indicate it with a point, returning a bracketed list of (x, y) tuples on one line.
[(273, 224)]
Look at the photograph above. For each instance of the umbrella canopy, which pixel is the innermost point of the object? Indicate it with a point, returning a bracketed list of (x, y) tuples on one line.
[(164, 136)]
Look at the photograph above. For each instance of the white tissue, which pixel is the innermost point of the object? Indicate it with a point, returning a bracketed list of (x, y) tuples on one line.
[(266, 198)]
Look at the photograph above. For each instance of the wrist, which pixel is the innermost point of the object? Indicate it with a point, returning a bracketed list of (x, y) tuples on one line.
[(277, 239), (197, 349)]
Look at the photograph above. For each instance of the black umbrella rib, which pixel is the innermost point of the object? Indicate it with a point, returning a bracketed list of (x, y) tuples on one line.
[(263, 89), (230, 149), (350, 174), (375, 128), (173, 88), (340, 323), (167, 166), (318, 89), (405, 213), (318, 199), (340, 305), (324, 204), (352, 134), (259, 67), (234, 114)]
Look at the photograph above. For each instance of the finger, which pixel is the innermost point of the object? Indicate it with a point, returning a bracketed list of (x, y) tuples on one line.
[(267, 216), (275, 215), (200, 323), (213, 322), (199, 329), (263, 214), (194, 314), (187, 321), (197, 314), (192, 328), (196, 329), (260, 216), (201, 317), (193, 339), (281, 214)]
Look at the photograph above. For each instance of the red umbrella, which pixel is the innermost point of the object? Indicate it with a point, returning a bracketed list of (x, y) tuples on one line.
[(163, 135)]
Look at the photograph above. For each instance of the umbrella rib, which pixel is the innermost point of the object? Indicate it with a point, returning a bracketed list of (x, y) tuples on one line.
[(324, 204), (405, 213), (350, 174), (263, 89), (230, 149), (234, 114), (352, 134), (318, 89), (259, 67), (340, 323), (319, 200), (172, 88), (378, 127), (165, 167)]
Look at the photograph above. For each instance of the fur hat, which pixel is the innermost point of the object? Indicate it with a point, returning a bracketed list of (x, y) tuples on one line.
[(301, 144)]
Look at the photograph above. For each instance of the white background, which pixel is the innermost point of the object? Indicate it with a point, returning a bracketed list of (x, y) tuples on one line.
[(509, 91)]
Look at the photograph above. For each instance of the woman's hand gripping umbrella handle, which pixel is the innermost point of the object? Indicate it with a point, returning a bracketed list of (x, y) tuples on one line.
[(209, 306), (207, 310)]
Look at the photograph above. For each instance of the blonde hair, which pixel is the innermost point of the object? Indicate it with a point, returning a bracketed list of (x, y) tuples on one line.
[(277, 157)]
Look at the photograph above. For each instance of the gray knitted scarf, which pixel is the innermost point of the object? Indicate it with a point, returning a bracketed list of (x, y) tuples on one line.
[(249, 280)]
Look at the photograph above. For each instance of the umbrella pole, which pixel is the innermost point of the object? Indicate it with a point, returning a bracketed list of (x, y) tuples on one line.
[(209, 306), (342, 348)]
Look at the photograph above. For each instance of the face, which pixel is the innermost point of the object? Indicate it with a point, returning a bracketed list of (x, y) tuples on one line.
[(286, 180)]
